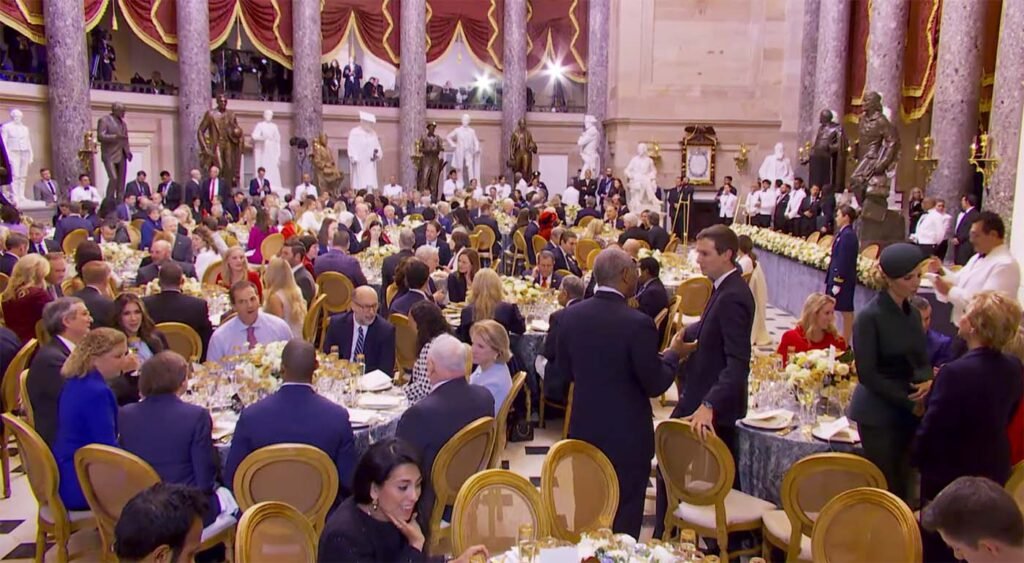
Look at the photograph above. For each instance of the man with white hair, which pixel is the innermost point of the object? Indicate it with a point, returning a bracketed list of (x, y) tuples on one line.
[(633, 230), (430, 255), (361, 218), (451, 405), (182, 249)]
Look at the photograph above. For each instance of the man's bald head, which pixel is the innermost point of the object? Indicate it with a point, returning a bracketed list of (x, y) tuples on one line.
[(298, 361), (364, 305), (160, 251), (632, 247)]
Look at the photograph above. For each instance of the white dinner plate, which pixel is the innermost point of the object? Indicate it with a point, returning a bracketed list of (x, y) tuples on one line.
[(774, 420)]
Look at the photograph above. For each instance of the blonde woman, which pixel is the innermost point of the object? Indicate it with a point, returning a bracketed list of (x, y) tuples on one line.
[(284, 298), (816, 329), (486, 301), (87, 411), (491, 353), (26, 295), (593, 232), (236, 269)]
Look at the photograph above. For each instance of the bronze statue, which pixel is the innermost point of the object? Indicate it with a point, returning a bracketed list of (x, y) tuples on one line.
[(827, 157), (112, 133), (521, 149), (429, 164), (871, 181), (328, 176), (220, 141)]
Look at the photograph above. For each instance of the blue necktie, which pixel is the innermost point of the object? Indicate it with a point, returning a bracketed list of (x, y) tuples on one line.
[(360, 341)]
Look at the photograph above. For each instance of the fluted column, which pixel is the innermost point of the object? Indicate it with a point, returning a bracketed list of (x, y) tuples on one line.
[(597, 62), (1007, 102), (68, 77), (307, 78), (194, 69), (833, 48), (887, 40), (808, 67), (413, 85), (513, 97), (957, 94)]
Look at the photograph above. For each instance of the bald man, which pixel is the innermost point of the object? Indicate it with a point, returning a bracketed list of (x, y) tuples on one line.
[(160, 252), (362, 332)]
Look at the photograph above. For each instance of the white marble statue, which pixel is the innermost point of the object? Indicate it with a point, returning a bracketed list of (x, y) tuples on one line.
[(364, 152), (776, 166), (642, 184), (588, 144), (266, 151), (466, 151), (18, 142)]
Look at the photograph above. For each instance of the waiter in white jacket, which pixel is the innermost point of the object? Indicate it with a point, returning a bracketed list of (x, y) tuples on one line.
[(992, 268), (932, 228)]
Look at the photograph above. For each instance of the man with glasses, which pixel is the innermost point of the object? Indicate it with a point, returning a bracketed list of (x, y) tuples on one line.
[(362, 332)]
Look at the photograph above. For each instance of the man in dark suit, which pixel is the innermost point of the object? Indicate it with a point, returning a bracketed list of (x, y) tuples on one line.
[(657, 236), (546, 276), (651, 296), (962, 247), (556, 383), (429, 214), (182, 249), (779, 220), (160, 253), (336, 259), (292, 252), (111, 230), (296, 414), (406, 242), (234, 206), (713, 393), (139, 186), (37, 241), (165, 185), (633, 229), (589, 210), (451, 405), (434, 238), (173, 306), (96, 276), (604, 184), (72, 222), (260, 185), (17, 246), (126, 208), (363, 331), (417, 283), (212, 187), (67, 320), (175, 194), (531, 230), (616, 374), (487, 218), (565, 254)]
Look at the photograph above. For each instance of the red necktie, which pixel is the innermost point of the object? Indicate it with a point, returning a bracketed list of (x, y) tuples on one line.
[(213, 189), (544, 283)]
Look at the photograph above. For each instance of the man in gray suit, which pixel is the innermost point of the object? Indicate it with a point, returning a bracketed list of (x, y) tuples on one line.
[(112, 133), (292, 252), (45, 190)]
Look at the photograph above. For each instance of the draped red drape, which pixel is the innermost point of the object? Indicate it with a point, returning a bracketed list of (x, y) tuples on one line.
[(857, 58), (557, 31), (26, 16), (920, 58), (477, 21), (989, 45)]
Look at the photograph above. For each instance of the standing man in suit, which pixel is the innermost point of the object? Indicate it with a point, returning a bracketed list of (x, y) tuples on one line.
[(67, 320), (452, 404), (112, 134), (176, 194), (962, 247), (165, 185), (260, 185), (45, 190), (406, 242), (292, 252), (604, 185), (96, 276), (651, 295), (362, 331), (296, 414), (173, 306), (713, 393), (779, 220), (657, 236), (336, 259), (139, 186), (213, 187), (616, 375)]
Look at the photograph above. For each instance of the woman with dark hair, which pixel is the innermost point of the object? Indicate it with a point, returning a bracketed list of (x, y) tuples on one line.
[(377, 523), (430, 323), (10, 218), (87, 251), (841, 276), (373, 234), (144, 340), (462, 219), (466, 266), (459, 241), (327, 229), (260, 230)]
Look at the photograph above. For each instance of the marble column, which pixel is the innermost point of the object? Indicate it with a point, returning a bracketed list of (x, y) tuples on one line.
[(194, 97), (307, 78), (808, 66), (887, 40), (957, 93), (1007, 102), (412, 87), (68, 75), (830, 66), (597, 63), (513, 96)]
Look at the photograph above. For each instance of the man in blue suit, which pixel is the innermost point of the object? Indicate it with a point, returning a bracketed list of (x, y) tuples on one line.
[(417, 282), (259, 186), (363, 331), (713, 394), (72, 222), (610, 350), (336, 259), (296, 414)]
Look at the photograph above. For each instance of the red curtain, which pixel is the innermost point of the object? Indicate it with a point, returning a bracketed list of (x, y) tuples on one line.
[(857, 58), (557, 31), (26, 16), (920, 58), (477, 20), (155, 22), (989, 45)]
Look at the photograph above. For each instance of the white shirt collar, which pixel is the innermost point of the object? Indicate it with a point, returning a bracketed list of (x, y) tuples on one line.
[(718, 282), (435, 386), (297, 268), (605, 289), (68, 343), (297, 384)]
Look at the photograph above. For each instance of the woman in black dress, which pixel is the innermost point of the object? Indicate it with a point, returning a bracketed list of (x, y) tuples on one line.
[(916, 208), (378, 522), (460, 280)]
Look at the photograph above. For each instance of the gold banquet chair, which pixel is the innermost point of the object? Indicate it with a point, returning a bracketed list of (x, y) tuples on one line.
[(210, 274), (485, 242), (698, 480), (296, 474), (813, 237), (871, 251), (1015, 485), (490, 508), (314, 325), (4, 280), (584, 247), (866, 524), (183, 339), (274, 532), (405, 342), (338, 289), (539, 243), (584, 221), (26, 404), (501, 423), (579, 490), (807, 487), (464, 454), (517, 252), (826, 241), (71, 241), (14, 396), (270, 247), (40, 467)]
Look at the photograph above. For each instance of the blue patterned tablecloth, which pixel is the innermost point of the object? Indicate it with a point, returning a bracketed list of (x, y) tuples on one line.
[(766, 456)]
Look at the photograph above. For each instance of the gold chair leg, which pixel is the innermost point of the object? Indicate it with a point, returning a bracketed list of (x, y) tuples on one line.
[(723, 545), (5, 462), (40, 544)]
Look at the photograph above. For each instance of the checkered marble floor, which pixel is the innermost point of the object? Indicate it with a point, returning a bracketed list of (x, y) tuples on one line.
[(18, 513)]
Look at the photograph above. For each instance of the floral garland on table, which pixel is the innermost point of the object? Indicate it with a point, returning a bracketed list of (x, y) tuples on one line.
[(190, 286), (809, 253), (240, 231), (571, 210)]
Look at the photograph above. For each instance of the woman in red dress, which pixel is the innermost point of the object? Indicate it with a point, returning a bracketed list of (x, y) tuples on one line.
[(26, 295), (235, 270), (816, 329)]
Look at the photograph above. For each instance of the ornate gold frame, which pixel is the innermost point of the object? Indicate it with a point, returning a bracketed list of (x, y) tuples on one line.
[(699, 140)]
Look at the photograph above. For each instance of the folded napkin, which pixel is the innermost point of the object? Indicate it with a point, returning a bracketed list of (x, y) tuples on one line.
[(539, 325), (559, 555), (376, 379), (770, 416), (361, 417), (830, 430), (377, 401)]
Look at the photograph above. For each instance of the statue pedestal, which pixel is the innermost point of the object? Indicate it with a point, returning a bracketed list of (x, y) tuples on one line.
[(891, 228)]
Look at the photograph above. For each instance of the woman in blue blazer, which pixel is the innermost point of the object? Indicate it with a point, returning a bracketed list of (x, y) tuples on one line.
[(841, 277)]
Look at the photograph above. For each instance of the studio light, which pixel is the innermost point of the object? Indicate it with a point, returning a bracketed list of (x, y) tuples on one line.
[(483, 82)]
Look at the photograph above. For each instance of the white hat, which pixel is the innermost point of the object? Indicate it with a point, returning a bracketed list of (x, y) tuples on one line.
[(367, 116)]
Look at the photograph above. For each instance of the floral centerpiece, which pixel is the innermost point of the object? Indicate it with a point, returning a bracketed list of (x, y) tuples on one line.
[(818, 374), (506, 223), (571, 210), (521, 290), (411, 223), (240, 232), (378, 252), (190, 286)]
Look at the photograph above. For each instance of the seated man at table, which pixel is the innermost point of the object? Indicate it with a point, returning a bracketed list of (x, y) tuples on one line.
[(545, 275), (633, 229), (161, 523), (413, 280), (249, 327), (296, 414), (452, 404), (337, 259), (111, 230), (651, 296), (556, 383), (173, 306), (362, 331), (160, 253), (978, 519)]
